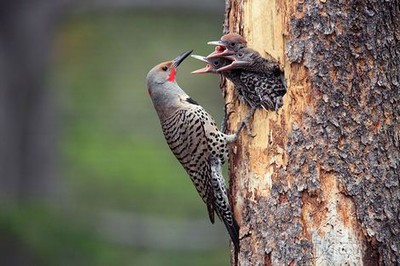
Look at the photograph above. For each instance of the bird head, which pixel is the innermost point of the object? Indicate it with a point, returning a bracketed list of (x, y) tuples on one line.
[(160, 76), (242, 59), (213, 64), (161, 83), (228, 45)]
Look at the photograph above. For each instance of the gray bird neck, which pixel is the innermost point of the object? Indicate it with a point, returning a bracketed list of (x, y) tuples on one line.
[(168, 99)]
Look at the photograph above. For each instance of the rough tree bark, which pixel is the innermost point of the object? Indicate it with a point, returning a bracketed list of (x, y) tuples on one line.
[(319, 184)]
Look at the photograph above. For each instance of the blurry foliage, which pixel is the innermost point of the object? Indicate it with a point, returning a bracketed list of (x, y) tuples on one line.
[(113, 153), (53, 238)]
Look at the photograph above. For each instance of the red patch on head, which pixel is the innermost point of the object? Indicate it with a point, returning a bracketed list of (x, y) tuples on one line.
[(172, 74)]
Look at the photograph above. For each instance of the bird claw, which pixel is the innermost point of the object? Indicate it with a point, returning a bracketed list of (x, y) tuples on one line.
[(278, 104), (245, 121), (242, 124), (226, 105), (249, 132)]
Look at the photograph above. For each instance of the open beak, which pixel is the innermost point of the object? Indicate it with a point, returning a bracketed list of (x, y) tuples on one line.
[(234, 65), (230, 57), (220, 50), (206, 69), (220, 53), (222, 43), (199, 57), (179, 59)]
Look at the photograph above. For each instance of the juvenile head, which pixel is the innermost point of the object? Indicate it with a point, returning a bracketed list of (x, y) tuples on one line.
[(250, 60), (161, 82), (213, 64), (229, 44), (242, 59)]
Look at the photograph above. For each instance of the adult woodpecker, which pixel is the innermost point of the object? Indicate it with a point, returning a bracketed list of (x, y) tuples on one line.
[(195, 140)]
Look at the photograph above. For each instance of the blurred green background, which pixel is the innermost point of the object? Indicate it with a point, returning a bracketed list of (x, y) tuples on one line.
[(121, 198)]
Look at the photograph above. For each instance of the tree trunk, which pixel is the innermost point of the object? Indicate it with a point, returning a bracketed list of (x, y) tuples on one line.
[(319, 184)]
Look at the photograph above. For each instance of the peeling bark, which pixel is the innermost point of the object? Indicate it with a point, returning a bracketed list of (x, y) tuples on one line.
[(319, 184)]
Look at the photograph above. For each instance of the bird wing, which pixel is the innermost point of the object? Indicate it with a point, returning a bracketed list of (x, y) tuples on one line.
[(250, 85), (186, 137)]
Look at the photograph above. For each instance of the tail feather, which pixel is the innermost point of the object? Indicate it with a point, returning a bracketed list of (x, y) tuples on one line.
[(233, 230), (210, 209), (221, 203)]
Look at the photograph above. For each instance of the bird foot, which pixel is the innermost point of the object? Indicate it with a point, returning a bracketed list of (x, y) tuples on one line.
[(248, 129), (246, 120), (278, 104), (245, 123)]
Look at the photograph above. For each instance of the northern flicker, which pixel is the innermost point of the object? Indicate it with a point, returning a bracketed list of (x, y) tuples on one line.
[(194, 139), (229, 44), (259, 81), (258, 74), (213, 66)]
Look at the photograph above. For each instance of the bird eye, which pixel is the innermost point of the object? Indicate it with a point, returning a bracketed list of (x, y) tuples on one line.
[(240, 54), (232, 44), (164, 68)]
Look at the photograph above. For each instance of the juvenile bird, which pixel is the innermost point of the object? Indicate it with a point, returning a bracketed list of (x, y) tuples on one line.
[(229, 44), (213, 66), (195, 140), (251, 60), (259, 81), (262, 75)]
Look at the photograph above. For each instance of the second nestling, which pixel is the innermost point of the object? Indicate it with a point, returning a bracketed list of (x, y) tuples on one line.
[(259, 82)]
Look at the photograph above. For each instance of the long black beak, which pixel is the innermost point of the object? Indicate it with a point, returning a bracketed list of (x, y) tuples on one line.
[(179, 59)]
